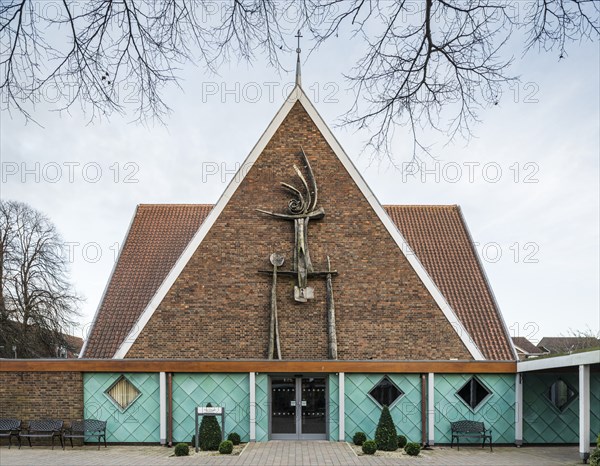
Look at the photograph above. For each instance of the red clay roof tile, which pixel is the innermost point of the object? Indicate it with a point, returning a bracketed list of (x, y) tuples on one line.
[(437, 234)]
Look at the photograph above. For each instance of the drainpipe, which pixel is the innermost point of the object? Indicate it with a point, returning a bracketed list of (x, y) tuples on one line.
[(170, 405), (423, 411)]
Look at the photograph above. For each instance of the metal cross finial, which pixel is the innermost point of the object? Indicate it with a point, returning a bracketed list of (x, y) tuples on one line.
[(299, 35), (298, 72)]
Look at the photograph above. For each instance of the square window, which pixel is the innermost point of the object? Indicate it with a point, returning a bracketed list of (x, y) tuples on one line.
[(473, 393), (385, 393), (560, 394), (123, 393)]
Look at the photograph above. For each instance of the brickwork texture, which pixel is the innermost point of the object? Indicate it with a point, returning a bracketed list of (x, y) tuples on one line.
[(219, 305)]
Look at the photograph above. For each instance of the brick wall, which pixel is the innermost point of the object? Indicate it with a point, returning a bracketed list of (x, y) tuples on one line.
[(41, 395), (219, 305)]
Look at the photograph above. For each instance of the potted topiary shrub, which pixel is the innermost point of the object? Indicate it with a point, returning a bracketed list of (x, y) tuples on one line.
[(234, 437), (385, 435), (226, 447), (402, 441), (182, 449), (210, 433), (412, 449), (359, 438), (369, 447)]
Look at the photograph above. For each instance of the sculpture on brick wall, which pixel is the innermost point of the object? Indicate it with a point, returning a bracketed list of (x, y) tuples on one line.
[(301, 209)]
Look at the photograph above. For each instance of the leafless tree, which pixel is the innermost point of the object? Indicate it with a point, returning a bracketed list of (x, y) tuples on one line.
[(424, 64), (37, 304)]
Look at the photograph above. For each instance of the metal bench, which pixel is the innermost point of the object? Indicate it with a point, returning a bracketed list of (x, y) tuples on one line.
[(85, 428), (470, 429), (47, 428), (10, 428)]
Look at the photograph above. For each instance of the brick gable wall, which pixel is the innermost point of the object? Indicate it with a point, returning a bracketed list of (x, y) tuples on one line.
[(219, 305)]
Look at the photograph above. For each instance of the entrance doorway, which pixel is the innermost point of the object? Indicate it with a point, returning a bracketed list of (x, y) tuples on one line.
[(298, 408)]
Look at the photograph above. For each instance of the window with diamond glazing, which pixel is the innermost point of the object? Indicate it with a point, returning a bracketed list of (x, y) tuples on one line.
[(473, 393), (123, 393), (560, 394), (385, 392)]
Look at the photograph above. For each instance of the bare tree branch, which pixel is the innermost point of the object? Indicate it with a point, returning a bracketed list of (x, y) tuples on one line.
[(37, 304), (423, 64)]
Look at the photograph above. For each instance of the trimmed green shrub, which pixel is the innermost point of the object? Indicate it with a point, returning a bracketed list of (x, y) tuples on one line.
[(182, 449), (210, 432), (385, 435), (595, 456), (402, 441), (412, 449), (359, 438), (234, 437), (369, 447), (226, 447)]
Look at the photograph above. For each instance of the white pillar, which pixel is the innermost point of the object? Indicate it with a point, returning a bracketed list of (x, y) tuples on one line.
[(431, 408), (162, 393), (252, 379), (584, 412), (342, 407), (518, 409)]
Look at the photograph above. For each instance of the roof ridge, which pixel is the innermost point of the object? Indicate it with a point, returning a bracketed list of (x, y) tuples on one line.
[(168, 204), (441, 206)]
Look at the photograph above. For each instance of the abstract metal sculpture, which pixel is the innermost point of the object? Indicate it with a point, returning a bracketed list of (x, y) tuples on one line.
[(301, 209), (274, 346)]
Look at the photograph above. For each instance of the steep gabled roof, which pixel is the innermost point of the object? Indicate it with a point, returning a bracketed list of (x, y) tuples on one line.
[(441, 240), (567, 344), (159, 234), (524, 345)]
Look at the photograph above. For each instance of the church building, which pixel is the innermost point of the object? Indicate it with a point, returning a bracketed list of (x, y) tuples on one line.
[(301, 277), (301, 306)]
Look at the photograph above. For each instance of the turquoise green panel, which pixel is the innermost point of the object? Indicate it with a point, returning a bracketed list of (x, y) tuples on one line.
[(262, 407), (362, 412), (333, 407), (497, 411), (140, 422), (542, 422), (230, 391), (594, 406)]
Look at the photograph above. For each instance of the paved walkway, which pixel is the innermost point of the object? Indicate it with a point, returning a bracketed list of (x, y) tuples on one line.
[(288, 453)]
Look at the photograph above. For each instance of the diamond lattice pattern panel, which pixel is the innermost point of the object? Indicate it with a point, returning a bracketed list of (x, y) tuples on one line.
[(497, 411), (542, 422), (334, 407), (139, 423), (231, 391), (594, 405), (362, 412), (262, 408)]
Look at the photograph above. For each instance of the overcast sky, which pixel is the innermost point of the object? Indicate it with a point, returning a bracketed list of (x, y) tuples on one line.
[(528, 184)]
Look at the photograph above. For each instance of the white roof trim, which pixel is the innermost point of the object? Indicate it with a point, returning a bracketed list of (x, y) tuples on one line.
[(576, 359), (298, 94), (487, 283), (112, 273)]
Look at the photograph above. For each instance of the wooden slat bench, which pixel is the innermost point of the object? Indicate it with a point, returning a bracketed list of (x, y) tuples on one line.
[(470, 429), (47, 428)]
